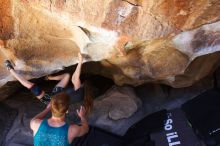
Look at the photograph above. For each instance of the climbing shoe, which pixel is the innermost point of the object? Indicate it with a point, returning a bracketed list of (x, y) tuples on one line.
[(8, 65)]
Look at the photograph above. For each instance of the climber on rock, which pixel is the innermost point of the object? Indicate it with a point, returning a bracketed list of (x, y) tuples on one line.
[(55, 131), (63, 79)]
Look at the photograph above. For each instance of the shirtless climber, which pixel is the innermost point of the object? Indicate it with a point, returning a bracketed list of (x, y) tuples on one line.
[(63, 82), (79, 92)]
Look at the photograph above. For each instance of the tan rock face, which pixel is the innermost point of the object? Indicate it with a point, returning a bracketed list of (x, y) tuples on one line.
[(136, 41), (6, 20)]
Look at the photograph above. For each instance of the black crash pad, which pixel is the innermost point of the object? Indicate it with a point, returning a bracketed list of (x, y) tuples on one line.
[(98, 137), (137, 134), (176, 131), (6, 120), (217, 79), (203, 112)]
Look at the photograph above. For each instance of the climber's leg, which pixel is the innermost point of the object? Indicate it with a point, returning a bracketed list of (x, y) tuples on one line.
[(33, 87), (63, 79), (63, 82)]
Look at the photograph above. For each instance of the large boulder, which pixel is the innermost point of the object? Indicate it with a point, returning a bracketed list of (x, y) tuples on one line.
[(116, 104), (136, 41)]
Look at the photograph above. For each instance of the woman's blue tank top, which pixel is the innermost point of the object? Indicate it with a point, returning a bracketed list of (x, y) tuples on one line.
[(51, 136)]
